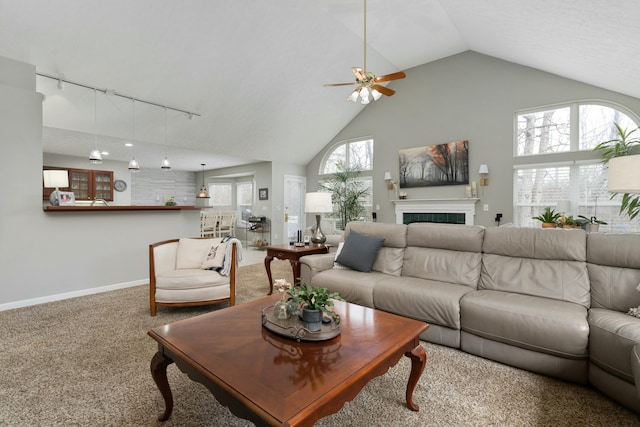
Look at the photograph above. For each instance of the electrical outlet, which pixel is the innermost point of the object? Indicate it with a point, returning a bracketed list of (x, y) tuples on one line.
[(485, 208)]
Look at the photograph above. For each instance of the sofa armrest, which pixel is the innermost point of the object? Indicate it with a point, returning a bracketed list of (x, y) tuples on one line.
[(310, 265), (635, 366)]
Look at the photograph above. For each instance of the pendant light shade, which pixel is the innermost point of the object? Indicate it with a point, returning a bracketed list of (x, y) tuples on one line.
[(95, 157), (165, 165), (134, 166), (203, 194)]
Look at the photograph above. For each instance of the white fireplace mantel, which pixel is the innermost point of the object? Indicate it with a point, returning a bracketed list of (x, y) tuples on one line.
[(464, 205)]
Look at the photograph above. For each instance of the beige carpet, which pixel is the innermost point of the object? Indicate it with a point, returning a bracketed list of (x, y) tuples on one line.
[(85, 362)]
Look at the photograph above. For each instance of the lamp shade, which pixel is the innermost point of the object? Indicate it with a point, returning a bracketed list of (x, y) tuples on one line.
[(318, 202), (387, 176), (484, 169), (564, 206), (624, 174), (55, 178)]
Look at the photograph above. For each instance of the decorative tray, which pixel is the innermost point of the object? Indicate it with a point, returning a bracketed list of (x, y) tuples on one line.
[(295, 328)]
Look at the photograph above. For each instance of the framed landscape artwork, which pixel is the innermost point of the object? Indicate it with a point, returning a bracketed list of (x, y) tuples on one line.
[(435, 165)]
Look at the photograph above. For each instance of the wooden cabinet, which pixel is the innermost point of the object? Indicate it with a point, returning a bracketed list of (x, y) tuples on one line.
[(86, 184)]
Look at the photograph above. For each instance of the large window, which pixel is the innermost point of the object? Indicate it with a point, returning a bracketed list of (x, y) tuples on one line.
[(221, 195), (244, 200), (578, 182), (354, 154)]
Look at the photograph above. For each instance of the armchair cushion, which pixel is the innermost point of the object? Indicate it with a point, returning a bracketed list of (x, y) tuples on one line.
[(191, 252), (214, 257)]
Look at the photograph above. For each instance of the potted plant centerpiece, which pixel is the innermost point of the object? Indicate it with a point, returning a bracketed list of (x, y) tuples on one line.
[(314, 302), (549, 218), (568, 221)]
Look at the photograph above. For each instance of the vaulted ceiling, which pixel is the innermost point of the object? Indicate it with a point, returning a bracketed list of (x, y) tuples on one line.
[(253, 69)]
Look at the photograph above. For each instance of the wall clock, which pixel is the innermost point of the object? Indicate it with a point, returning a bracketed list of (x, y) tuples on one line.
[(119, 185)]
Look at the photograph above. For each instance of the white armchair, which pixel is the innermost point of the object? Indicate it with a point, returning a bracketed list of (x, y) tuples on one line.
[(187, 272)]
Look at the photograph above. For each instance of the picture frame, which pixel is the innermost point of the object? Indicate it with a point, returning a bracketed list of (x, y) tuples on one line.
[(263, 194), (435, 165), (66, 198)]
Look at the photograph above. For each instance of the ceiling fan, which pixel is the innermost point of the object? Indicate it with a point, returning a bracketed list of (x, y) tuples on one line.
[(368, 83)]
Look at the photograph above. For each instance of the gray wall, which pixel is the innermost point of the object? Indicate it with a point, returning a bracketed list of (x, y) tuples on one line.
[(47, 256), (465, 96)]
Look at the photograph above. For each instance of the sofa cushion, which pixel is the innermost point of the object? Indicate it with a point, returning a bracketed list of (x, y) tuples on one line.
[(536, 243), (394, 235), (428, 300), (611, 340), (614, 270), (454, 237), (539, 324), (191, 252), (214, 257), (561, 280), (462, 268), (354, 286), (359, 251)]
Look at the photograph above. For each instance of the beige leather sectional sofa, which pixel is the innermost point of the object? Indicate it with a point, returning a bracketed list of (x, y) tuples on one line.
[(549, 301)]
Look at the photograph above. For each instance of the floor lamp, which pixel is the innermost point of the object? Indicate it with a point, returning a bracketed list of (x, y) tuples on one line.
[(318, 203)]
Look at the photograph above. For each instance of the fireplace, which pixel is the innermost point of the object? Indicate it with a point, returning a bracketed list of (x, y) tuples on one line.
[(450, 211)]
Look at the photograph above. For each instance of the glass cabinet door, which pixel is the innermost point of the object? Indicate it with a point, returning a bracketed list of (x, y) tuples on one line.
[(79, 183), (104, 185)]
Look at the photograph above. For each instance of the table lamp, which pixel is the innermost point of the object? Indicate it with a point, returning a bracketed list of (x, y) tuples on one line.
[(55, 179), (318, 203), (624, 174)]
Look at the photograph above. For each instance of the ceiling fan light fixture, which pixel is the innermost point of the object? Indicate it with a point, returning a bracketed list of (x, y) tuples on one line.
[(376, 95), (354, 95)]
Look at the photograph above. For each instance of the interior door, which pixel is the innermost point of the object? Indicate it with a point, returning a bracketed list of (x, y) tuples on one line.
[(295, 188)]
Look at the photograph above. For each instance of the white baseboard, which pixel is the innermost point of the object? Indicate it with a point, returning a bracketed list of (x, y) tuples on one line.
[(74, 294)]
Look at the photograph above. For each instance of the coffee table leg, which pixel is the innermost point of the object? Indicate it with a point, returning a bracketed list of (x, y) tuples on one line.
[(267, 266), (418, 361), (159, 365)]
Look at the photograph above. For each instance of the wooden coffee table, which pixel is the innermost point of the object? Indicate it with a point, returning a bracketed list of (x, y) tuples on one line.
[(293, 254), (275, 381)]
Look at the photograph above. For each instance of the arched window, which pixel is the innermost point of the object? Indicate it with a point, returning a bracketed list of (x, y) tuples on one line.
[(567, 174), (357, 153)]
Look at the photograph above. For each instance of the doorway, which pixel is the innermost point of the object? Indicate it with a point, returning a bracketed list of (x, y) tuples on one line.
[(295, 188)]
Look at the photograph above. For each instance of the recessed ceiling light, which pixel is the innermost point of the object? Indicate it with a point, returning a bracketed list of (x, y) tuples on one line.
[(128, 144), (105, 153)]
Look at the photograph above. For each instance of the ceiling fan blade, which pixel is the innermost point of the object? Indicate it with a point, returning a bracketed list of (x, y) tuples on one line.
[(383, 90), (340, 84), (359, 73), (392, 76)]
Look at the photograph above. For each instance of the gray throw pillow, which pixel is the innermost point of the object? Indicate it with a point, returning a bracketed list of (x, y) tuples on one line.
[(359, 251)]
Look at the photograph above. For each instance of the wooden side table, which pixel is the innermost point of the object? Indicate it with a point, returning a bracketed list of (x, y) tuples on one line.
[(293, 254)]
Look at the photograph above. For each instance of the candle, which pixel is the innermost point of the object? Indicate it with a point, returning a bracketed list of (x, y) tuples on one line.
[(473, 185), (468, 188)]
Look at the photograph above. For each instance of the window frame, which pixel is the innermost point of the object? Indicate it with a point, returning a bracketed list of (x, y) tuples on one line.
[(346, 143), (574, 159)]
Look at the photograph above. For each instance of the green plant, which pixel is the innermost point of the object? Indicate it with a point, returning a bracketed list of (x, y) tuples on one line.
[(549, 216), (620, 146), (623, 145), (346, 193), (314, 298), (592, 220)]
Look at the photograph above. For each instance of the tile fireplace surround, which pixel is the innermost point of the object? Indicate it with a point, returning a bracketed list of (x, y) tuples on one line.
[(467, 207)]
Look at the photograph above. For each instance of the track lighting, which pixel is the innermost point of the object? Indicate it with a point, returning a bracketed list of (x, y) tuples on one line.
[(60, 84), (134, 166)]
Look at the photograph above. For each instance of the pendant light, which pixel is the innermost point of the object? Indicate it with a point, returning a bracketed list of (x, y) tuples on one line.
[(165, 165), (203, 194), (134, 166), (95, 157)]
